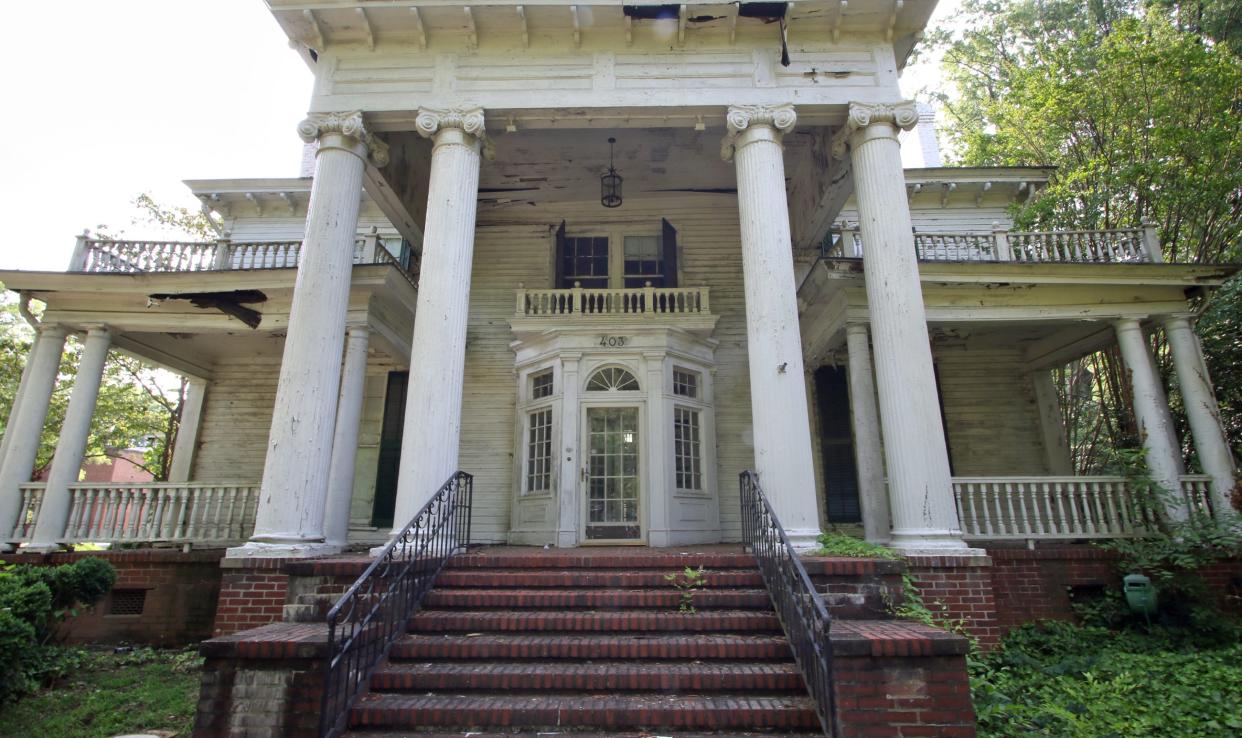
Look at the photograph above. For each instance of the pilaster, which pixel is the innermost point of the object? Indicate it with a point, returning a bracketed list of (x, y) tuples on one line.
[(345, 440), (916, 455), (782, 429)]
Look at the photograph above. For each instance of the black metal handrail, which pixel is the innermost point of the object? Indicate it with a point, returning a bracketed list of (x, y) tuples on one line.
[(375, 610), (800, 609)]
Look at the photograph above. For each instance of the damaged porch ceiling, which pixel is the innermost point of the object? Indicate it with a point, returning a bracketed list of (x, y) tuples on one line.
[(565, 166)]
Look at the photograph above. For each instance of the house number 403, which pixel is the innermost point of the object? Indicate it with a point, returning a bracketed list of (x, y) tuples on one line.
[(612, 341)]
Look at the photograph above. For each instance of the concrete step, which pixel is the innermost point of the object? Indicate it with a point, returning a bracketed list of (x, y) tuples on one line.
[(587, 578), (598, 676), (595, 599), (489, 621), (511, 647), (624, 712)]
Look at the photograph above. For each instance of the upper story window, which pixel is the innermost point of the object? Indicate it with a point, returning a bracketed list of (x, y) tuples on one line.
[(686, 383), (612, 379), (541, 385), (616, 257)]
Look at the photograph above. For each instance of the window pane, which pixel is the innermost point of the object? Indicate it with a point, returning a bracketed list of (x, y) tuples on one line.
[(539, 451), (541, 385), (686, 449), (685, 384)]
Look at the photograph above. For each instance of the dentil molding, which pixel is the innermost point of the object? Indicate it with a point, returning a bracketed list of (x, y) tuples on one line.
[(903, 115)]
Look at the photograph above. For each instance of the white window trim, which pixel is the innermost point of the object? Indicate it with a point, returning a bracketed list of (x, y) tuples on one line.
[(616, 247)]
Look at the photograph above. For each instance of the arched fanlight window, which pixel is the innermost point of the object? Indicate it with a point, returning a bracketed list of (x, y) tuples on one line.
[(612, 379)]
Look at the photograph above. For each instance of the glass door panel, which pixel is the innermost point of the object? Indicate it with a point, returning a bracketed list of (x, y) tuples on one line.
[(612, 474)]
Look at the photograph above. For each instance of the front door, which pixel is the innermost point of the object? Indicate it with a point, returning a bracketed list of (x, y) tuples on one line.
[(611, 475)]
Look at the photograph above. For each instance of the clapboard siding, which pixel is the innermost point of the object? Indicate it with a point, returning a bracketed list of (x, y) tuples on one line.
[(291, 228), (367, 462), (237, 415), (513, 245), (989, 407), (957, 218)]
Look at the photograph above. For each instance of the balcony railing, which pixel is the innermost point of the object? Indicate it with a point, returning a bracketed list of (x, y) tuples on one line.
[(200, 513), (583, 301), (1062, 507), (1115, 246), (141, 257)]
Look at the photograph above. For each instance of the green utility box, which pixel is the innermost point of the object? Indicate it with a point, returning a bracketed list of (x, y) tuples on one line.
[(1140, 594)]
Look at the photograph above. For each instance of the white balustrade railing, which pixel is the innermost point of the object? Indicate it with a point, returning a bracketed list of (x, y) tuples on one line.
[(1118, 245), (200, 513), (583, 301), (990, 508), (134, 257)]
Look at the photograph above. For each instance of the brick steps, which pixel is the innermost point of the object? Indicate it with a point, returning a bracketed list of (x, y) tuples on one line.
[(578, 579), (560, 733), (607, 676), (577, 559), (594, 599), (455, 621), (572, 646), (560, 711)]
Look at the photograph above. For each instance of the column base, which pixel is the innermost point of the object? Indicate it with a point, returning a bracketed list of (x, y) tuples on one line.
[(803, 539), (282, 550), (931, 543)]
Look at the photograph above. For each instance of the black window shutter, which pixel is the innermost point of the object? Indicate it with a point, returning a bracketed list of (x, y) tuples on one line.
[(670, 254), (560, 256)]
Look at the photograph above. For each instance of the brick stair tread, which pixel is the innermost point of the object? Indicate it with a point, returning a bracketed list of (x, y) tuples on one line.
[(576, 560), (629, 676), (591, 646), (440, 621), (620, 711), (627, 579), (599, 599), (553, 733)]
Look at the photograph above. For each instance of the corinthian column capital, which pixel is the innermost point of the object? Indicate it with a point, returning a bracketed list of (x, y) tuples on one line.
[(351, 126), (903, 115), (741, 118)]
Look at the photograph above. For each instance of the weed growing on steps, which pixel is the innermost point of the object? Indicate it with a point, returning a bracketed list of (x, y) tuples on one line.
[(687, 581)]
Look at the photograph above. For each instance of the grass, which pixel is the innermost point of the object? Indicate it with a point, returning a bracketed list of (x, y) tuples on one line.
[(106, 694)]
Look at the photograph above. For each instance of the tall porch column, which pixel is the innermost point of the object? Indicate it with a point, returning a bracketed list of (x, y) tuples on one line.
[(345, 442), (917, 459), (25, 425), (71, 446), (299, 450), (187, 431), (781, 421), (868, 454), (1052, 427), (438, 351), (1151, 409), (1201, 410)]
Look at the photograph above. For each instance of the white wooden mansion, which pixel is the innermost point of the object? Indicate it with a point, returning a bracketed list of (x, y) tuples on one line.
[(457, 288)]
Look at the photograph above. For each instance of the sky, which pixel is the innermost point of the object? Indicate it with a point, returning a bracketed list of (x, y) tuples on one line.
[(107, 100)]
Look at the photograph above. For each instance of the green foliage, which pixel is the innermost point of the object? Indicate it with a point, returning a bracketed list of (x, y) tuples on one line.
[(34, 600), (95, 694), (836, 544), (688, 581), (1220, 332), (1064, 681)]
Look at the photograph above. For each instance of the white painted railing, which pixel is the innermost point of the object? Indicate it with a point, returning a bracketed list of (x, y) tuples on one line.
[(136, 257), (1115, 246), (1034, 508), (614, 302), (200, 513)]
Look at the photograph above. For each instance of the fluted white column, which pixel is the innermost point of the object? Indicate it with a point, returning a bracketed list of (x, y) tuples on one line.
[(868, 453), (781, 421), (1202, 412), (1051, 425), (915, 452), (25, 425), (187, 430), (299, 451), (71, 446), (345, 442), (16, 408), (438, 351), (1151, 410)]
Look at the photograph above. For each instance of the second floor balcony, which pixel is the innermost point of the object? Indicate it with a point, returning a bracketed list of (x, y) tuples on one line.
[(1112, 246)]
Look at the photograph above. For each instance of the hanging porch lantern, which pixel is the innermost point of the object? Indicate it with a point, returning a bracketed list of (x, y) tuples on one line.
[(610, 183)]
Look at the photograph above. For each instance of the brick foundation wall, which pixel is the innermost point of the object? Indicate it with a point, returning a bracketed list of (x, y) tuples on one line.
[(176, 591), (253, 592), (265, 683), (899, 680), (960, 588)]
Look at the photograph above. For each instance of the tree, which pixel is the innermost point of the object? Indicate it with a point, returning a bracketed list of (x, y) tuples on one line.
[(1138, 105)]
